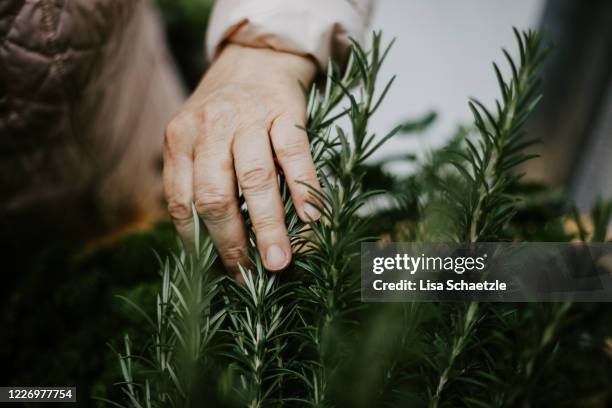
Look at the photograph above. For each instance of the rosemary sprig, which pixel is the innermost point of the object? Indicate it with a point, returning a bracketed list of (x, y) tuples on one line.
[(332, 290), (479, 205), (183, 329), (259, 330)]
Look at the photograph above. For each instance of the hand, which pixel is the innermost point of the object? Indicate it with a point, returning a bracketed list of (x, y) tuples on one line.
[(245, 110)]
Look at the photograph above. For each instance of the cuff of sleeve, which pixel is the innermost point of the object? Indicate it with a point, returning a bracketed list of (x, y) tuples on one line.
[(317, 28)]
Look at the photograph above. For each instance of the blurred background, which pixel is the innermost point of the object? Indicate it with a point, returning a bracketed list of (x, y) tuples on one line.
[(443, 55)]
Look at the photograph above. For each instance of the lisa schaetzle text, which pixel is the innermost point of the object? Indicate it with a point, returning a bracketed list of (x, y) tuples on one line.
[(447, 285)]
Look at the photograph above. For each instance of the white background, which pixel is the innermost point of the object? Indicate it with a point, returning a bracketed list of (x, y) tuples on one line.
[(442, 56)]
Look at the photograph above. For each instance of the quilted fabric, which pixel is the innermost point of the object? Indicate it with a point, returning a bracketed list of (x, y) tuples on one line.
[(85, 90)]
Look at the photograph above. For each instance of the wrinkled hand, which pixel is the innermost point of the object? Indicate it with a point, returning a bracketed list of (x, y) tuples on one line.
[(244, 111)]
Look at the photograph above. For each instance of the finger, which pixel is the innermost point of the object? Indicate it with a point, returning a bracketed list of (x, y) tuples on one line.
[(216, 195), (294, 156), (177, 175), (257, 178)]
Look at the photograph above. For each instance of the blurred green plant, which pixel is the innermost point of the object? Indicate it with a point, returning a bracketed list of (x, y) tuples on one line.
[(185, 23), (192, 13)]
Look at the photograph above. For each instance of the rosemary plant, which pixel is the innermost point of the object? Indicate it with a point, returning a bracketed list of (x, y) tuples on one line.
[(258, 333), (479, 205), (179, 350), (302, 338), (331, 292)]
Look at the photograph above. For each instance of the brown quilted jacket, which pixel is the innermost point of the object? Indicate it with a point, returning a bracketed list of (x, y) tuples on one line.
[(86, 88)]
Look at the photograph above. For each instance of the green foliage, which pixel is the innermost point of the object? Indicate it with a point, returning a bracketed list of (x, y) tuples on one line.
[(329, 294), (476, 199), (260, 314), (185, 23), (303, 338), (183, 328), (60, 308), (191, 13)]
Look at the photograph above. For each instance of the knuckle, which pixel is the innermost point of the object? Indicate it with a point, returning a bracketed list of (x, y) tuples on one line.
[(216, 109), (249, 124), (170, 135), (177, 124), (269, 224), (179, 210), (213, 111), (176, 130), (293, 150), (257, 177), (304, 175), (214, 205), (232, 254)]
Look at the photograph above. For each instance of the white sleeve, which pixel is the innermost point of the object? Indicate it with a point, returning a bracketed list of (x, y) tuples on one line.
[(318, 28)]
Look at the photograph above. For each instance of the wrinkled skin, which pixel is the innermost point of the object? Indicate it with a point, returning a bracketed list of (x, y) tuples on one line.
[(245, 111)]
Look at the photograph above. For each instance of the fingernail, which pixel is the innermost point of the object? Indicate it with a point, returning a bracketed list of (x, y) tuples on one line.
[(311, 211), (275, 257)]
